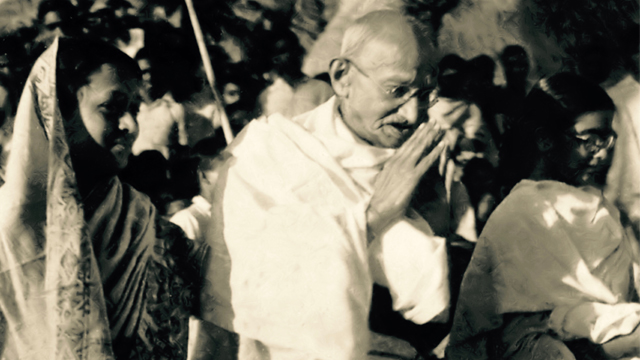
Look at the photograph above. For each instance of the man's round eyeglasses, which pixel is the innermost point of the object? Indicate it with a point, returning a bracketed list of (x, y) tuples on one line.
[(593, 143), (404, 92)]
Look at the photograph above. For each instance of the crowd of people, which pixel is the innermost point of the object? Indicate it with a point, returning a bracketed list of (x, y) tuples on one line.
[(178, 107), (401, 192)]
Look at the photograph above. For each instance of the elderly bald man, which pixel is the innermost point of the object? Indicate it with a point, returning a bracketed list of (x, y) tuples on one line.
[(309, 212)]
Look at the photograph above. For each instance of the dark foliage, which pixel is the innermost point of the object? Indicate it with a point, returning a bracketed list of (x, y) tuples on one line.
[(592, 34), (430, 11)]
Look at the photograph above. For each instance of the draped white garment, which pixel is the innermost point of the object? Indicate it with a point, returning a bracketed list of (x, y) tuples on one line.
[(549, 247), (291, 267)]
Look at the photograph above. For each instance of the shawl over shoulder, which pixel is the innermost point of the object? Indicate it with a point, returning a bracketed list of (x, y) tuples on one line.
[(74, 274), (291, 266), (548, 247)]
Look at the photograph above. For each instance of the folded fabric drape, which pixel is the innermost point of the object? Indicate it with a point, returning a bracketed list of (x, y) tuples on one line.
[(548, 248), (52, 295), (97, 276), (291, 266)]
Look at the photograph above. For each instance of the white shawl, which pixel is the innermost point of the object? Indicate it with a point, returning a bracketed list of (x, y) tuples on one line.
[(291, 266), (549, 247)]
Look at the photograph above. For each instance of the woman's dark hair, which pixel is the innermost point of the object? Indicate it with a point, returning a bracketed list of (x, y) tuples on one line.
[(550, 109), (79, 58)]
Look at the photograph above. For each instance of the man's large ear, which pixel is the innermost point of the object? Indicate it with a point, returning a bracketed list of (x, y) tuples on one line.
[(340, 81)]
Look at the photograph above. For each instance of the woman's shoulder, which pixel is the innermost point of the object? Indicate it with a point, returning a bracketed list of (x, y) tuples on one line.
[(527, 202), (543, 202), (137, 200), (528, 192)]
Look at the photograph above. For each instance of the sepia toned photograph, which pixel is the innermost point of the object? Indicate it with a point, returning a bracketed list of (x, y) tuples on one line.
[(319, 180)]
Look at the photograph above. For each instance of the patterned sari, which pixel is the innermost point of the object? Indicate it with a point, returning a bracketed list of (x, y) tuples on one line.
[(74, 286)]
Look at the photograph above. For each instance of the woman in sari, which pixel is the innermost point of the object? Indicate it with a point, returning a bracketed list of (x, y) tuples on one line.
[(553, 276), (83, 270)]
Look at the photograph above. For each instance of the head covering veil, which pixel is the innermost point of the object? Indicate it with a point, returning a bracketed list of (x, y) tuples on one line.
[(50, 291)]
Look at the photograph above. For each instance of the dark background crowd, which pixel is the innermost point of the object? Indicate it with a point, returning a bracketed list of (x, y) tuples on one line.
[(246, 42), (252, 42)]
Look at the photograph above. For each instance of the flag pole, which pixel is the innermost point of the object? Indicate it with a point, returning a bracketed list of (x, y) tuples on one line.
[(208, 69)]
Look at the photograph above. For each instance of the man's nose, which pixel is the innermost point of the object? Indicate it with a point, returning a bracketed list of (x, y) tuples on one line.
[(409, 110), (128, 123), (601, 155)]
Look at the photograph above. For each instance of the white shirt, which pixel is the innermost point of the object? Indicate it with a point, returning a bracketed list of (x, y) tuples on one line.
[(194, 219)]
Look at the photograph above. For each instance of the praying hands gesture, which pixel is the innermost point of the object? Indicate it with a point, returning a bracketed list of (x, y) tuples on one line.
[(395, 184)]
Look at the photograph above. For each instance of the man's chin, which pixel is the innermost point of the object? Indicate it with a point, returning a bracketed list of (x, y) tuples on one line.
[(391, 142), (121, 155), (396, 135), (122, 165), (120, 162)]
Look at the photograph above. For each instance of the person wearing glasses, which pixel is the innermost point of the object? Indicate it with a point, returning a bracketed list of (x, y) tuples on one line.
[(308, 213), (554, 275)]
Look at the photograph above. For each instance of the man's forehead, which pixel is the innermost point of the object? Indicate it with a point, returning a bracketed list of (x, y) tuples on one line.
[(402, 61), (381, 53)]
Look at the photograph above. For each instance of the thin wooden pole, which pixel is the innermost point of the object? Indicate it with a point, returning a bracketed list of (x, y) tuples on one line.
[(208, 69)]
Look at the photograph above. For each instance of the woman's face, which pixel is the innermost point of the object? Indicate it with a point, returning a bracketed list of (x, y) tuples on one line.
[(107, 107), (585, 151)]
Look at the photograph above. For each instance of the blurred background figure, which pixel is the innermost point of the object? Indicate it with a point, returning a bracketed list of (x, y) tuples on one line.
[(291, 92), (7, 107), (17, 54), (162, 117), (239, 90), (195, 219), (474, 137), (516, 67), (162, 128), (116, 23), (56, 18)]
